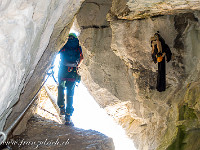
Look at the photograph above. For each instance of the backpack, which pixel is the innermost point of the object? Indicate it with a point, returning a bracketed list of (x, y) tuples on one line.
[(70, 57)]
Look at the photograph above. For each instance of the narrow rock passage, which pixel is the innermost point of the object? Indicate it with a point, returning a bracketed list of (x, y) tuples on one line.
[(46, 134)]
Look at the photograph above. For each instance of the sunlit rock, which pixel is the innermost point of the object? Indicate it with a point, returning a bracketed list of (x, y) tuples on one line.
[(27, 27), (140, 9), (151, 118)]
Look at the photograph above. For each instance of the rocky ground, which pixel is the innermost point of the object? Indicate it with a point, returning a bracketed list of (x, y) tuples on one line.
[(45, 130), (46, 134)]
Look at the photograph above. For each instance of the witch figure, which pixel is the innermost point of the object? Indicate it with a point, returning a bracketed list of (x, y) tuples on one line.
[(160, 53)]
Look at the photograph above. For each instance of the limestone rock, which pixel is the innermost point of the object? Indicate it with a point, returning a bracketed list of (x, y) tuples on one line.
[(132, 9), (118, 63), (59, 136), (28, 29)]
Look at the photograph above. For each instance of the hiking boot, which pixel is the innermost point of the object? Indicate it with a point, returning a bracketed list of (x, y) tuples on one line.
[(62, 111), (68, 121)]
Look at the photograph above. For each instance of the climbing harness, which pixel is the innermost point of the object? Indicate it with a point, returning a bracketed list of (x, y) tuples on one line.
[(70, 69)]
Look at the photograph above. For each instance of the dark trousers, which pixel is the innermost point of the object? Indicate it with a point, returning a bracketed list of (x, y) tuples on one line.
[(69, 85)]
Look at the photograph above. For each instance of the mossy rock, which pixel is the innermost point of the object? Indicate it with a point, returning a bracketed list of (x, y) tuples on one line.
[(187, 135), (192, 96), (178, 142), (186, 140), (186, 113), (192, 140)]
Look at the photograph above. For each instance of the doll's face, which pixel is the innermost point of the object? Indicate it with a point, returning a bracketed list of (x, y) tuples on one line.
[(156, 36)]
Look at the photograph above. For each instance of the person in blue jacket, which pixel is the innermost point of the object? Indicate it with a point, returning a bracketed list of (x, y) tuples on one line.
[(71, 57)]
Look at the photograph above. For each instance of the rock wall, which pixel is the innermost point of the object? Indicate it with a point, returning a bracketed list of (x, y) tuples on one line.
[(28, 29), (132, 9), (119, 71), (159, 111), (99, 73)]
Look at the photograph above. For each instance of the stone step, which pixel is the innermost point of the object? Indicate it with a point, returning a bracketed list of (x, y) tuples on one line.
[(45, 134)]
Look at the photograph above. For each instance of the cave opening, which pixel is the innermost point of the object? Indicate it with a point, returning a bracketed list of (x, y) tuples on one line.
[(88, 114)]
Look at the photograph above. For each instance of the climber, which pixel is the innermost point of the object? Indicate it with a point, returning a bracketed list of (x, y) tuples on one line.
[(160, 52), (70, 59)]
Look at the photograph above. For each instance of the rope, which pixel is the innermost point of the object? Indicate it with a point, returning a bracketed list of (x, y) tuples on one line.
[(54, 77), (45, 110)]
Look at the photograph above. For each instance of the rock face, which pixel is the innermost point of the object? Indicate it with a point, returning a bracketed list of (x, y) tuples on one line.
[(59, 136), (132, 9), (121, 75), (130, 42), (28, 29), (99, 57)]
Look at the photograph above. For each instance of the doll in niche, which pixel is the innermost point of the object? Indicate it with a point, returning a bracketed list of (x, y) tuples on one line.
[(160, 53)]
